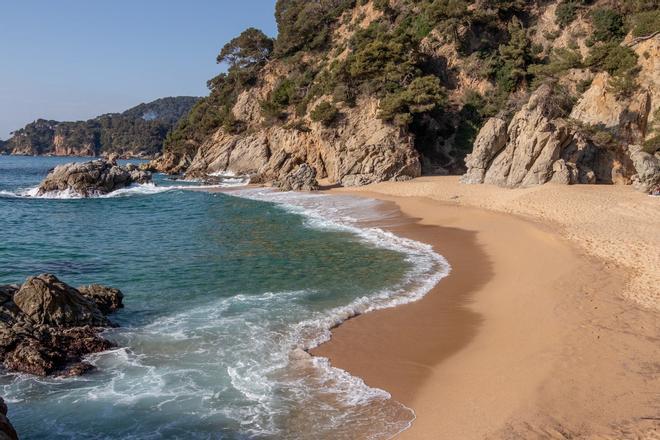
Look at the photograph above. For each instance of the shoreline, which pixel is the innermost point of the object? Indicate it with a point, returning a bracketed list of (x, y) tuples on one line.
[(475, 358)]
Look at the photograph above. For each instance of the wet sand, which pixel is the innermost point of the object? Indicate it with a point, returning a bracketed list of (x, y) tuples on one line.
[(528, 337)]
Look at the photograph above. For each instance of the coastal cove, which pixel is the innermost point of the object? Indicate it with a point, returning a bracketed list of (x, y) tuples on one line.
[(506, 346), (213, 315)]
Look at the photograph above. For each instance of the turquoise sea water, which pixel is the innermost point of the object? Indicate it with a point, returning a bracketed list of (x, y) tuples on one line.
[(218, 291)]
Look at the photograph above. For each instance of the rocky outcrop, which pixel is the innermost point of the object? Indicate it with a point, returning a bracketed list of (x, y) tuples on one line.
[(7, 431), (107, 299), (92, 178), (301, 179), (588, 145), (47, 326), (647, 166), (489, 142), (358, 150), (525, 156)]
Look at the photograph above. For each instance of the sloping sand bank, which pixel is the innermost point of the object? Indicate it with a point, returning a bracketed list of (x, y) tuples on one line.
[(532, 335)]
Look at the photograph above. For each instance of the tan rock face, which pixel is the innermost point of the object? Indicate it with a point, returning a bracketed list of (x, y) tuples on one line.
[(358, 149), (540, 147)]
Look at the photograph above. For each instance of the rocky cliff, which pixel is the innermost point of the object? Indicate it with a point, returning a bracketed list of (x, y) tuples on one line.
[(365, 91), (603, 138), (137, 132)]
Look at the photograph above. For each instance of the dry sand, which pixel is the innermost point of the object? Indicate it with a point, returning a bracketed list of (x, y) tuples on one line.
[(544, 329)]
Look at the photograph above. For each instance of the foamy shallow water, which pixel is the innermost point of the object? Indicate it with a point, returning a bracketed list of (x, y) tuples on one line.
[(219, 291)]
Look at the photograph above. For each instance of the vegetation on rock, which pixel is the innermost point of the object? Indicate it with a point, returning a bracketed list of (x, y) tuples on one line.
[(139, 131)]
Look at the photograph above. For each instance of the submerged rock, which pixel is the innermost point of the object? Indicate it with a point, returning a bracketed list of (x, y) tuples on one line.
[(302, 178), (47, 326), (92, 178), (7, 431)]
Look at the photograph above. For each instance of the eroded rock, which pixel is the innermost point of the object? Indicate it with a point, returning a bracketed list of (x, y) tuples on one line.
[(47, 326), (302, 178), (92, 178)]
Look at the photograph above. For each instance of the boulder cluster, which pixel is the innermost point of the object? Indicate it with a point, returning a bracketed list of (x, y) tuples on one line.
[(47, 326), (302, 178), (96, 177)]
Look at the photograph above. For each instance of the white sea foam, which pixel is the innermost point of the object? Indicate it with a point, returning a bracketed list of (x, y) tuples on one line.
[(132, 190), (346, 213)]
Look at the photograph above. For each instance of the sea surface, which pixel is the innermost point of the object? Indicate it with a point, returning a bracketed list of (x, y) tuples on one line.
[(219, 290)]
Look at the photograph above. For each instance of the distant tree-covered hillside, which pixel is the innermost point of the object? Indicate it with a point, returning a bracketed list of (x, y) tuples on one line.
[(139, 131)]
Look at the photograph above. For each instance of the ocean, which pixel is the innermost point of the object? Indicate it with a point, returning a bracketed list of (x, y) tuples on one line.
[(219, 290)]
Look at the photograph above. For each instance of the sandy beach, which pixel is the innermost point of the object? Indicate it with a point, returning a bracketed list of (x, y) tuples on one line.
[(547, 327)]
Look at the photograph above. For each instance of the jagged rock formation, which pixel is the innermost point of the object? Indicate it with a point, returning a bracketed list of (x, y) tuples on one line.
[(47, 326), (360, 150), (137, 132), (7, 431), (92, 178), (302, 178), (590, 145)]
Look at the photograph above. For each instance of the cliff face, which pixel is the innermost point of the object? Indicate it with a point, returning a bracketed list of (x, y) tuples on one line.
[(137, 132), (365, 91), (597, 142)]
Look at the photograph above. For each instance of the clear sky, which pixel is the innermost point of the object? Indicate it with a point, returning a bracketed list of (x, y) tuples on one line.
[(76, 59)]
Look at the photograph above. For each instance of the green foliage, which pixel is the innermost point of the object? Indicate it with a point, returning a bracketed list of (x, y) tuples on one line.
[(608, 25), (620, 62), (565, 13), (423, 95), (645, 23), (325, 112), (514, 58), (559, 61), (612, 58), (306, 25), (250, 48), (139, 130)]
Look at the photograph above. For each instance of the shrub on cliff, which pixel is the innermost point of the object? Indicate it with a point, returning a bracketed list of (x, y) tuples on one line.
[(422, 95), (645, 23), (325, 113)]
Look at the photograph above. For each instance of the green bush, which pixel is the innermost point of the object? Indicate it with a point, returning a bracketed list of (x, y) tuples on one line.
[(325, 113), (645, 23), (514, 58), (608, 25), (612, 58), (423, 95), (565, 13)]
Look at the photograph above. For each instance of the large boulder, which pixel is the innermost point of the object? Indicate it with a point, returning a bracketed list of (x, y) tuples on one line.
[(535, 141), (301, 179), (92, 178), (47, 326), (647, 166), (492, 138), (47, 300)]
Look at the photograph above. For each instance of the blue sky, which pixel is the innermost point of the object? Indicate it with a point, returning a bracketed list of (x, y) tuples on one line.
[(76, 59)]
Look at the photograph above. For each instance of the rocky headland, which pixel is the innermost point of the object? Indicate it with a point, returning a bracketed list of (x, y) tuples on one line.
[(507, 93), (136, 132), (47, 326), (96, 177)]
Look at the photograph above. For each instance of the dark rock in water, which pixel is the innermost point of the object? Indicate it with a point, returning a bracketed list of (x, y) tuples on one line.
[(47, 326), (301, 179), (7, 431), (107, 299), (47, 300), (92, 178)]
